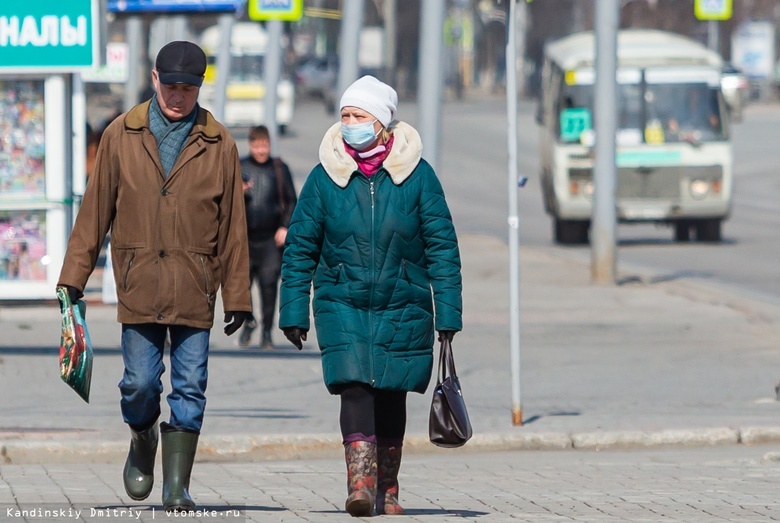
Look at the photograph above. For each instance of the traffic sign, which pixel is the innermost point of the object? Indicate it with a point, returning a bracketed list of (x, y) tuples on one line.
[(713, 9), (285, 10)]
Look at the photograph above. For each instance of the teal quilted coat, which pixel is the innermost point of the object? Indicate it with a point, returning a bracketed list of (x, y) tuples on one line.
[(382, 255)]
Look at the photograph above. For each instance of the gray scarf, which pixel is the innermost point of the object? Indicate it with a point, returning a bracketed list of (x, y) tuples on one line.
[(170, 136)]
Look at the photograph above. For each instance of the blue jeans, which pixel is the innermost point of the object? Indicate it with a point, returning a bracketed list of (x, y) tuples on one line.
[(141, 386)]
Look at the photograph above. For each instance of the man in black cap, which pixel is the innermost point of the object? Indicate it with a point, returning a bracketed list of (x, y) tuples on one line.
[(167, 184)]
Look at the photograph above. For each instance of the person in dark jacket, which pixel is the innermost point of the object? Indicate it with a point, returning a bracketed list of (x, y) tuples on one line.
[(270, 198), (167, 184), (372, 231)]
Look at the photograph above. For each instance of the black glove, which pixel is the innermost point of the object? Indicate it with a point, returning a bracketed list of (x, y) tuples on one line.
[(446, 335), (73, 293), (237, 318), (296, 335)]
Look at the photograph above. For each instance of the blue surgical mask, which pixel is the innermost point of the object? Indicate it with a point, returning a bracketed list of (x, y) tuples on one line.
[(360, 135)]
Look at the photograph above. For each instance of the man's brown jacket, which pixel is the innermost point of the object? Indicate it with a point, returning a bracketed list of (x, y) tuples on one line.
[(174, 241)]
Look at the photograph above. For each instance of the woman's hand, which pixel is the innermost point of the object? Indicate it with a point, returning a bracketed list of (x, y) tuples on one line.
[(296, 335)]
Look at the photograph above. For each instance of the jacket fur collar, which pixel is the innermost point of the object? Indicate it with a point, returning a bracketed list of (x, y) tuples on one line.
[(402, 160)]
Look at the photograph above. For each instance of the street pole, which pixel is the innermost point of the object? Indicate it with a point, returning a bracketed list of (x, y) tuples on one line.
[(349, 39), (431, 77), (713, 36), (389, 7), (179, 28), (223, 65), (273, 70), (522, 30), (134, 30), (514, 220), (603, 230)]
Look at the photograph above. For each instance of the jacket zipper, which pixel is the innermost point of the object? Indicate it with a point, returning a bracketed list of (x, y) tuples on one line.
[(371, 298), (206, 280), (129, 266)]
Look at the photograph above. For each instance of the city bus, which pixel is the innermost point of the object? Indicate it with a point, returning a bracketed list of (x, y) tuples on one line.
[(244, 106), (674, 152)]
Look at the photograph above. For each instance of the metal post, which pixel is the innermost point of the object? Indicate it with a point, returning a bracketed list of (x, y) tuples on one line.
[(79, 133), (713, 36), (389, 7), (522, 30), (603, 228), (431, 77), (273, 70), (349, 39), (179, 28), (134, 30), (514, 220), (223, 65)]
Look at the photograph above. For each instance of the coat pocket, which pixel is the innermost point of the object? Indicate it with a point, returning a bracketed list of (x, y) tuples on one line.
[(208, 285), (125, 262)]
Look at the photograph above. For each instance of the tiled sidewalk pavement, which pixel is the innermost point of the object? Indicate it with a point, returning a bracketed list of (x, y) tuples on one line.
[(727, 483)]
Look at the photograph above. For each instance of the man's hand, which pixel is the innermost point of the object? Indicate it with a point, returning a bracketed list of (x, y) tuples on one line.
[(73, 293), (446, 335), (280, 236), (296, 335), (237, 318)]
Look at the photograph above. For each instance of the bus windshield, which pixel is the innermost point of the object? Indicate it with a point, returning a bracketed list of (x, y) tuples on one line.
[(655, 110)]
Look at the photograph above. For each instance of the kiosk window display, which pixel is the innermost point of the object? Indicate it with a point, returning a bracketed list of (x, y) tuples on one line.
[(33, 196)]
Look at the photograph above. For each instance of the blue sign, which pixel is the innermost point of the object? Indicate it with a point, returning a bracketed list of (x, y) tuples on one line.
[(167, 6)]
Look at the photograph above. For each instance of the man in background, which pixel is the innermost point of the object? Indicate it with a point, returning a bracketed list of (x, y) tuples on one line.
[(270, 198)]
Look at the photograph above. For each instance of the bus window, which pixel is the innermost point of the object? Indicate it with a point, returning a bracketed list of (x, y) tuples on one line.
[(688, 112)]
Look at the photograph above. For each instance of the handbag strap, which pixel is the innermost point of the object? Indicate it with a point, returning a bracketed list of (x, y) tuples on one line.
[(446, 361)]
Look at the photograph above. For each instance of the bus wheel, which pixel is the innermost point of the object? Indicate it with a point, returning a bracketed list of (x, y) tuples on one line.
[(571, 231), (708, 230), (682, 231)]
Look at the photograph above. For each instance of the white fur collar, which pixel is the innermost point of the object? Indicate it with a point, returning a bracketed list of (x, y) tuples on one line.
[(402, 160)]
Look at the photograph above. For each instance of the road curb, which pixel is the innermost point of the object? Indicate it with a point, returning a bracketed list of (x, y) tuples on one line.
[(311, 446)]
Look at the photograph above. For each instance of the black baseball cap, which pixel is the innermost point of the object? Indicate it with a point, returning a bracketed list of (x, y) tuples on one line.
[(181, 62)]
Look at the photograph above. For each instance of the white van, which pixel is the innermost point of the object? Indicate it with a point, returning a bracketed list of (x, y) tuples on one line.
[(244, 104), (674, 153)]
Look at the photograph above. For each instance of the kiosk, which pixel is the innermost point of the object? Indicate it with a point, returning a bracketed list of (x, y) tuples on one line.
[(42, 45)]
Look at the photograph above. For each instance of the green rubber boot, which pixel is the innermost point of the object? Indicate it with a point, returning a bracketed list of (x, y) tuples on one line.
[(139, 467), (178, 454)]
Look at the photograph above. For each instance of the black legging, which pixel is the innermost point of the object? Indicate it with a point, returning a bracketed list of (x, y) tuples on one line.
[(372, 412)]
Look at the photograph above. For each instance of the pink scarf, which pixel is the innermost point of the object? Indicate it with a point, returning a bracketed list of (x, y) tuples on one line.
[(371, 160)]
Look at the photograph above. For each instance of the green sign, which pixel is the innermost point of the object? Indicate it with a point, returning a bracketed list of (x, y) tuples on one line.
[(47, 36), (286, 10), (574, 121), (713, 9)]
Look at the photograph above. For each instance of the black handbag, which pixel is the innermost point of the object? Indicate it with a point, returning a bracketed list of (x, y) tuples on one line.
[(448, 424)]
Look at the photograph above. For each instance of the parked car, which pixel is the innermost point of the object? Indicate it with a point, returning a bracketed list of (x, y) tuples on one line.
[(316, 75), (735, 87)]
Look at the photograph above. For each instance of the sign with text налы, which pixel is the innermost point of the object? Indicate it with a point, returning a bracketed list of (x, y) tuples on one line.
[(48, 36)]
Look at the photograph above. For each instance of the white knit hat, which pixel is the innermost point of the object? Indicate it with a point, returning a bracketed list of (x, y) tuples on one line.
[(372, 96)]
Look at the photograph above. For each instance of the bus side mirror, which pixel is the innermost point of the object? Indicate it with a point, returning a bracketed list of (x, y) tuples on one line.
[(539, 114)]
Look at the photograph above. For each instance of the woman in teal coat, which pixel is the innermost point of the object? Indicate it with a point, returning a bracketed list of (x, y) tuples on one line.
[(373, 233)]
